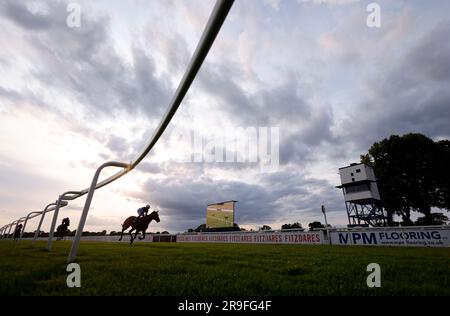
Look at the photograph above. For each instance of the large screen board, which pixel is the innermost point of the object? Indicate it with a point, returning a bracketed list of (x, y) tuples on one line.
[(220, 215)]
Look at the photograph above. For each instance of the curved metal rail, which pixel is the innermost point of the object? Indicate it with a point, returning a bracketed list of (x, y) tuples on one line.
[(17, 222), (38, 229), (28, 217), (215, 22), (212, 28), (8, 228)]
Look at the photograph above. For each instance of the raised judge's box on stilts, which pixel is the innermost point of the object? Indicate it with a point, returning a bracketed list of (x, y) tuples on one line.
[(362, 199)]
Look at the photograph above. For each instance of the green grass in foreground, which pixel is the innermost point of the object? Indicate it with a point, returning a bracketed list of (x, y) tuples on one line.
[(222, 269)]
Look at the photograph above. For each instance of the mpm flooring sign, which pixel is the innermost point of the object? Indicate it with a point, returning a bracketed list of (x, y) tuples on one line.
[(401, 237)]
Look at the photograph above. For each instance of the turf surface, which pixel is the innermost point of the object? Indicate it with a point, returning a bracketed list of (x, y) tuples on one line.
[(222, 269)]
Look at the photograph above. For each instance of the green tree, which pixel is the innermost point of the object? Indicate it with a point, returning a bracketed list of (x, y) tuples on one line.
[(436, 219), (292, 226), (314, 225), (200, 228), (266, 227), (408, 171)]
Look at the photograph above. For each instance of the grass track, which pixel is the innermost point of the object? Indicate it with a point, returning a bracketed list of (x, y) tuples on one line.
[(222, 269)]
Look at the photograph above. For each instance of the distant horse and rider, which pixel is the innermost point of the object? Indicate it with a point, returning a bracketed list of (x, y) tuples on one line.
[(139, 223), (62, 229), (17, 232)]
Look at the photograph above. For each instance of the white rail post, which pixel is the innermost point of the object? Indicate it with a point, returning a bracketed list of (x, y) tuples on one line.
[(52, 227), (61, 198), (36, 234), (14, 231), (10, 227), (87, 204), (7, 229), (25, 223)]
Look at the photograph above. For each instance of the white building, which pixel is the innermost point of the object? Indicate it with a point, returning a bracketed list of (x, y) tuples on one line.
[(359, 183)]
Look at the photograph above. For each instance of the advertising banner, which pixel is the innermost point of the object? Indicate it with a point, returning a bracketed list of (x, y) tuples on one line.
[(397, 237), (256, 238)]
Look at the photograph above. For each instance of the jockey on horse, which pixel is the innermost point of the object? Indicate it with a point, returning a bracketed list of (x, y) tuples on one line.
[(143, 211), (17, 232), (62, 229), (139, 223)]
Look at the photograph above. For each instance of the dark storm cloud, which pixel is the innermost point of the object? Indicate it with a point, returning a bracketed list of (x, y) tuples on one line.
[(275, 196), (10, 94), (24, 181), (283, 105), (430, 59), (412, 96), (175, 49), (149, 167), (18, 98), (83, 63), (19, 14), (117, 145), (268, 107), (302, 146)]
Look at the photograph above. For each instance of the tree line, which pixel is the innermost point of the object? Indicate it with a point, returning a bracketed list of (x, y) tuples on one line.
[(296, 225)]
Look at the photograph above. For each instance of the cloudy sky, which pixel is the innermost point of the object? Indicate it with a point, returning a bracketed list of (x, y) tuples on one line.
[(73, 98)]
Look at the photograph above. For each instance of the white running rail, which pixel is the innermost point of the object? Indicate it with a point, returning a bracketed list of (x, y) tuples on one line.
[(215, 22)]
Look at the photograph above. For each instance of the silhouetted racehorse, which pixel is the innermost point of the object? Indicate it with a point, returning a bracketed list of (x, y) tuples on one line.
[(62, 229), (138, 224), (17, 232)]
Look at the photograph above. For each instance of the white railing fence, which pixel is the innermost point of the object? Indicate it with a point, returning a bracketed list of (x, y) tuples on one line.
[(215, 22)]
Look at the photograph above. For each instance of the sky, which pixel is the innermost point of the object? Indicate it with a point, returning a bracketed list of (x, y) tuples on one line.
[(324, 83)]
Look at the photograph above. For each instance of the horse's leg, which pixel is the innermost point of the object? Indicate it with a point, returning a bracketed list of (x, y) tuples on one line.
[(135, 234), (143, 235), (131, 235), (121, 234)]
